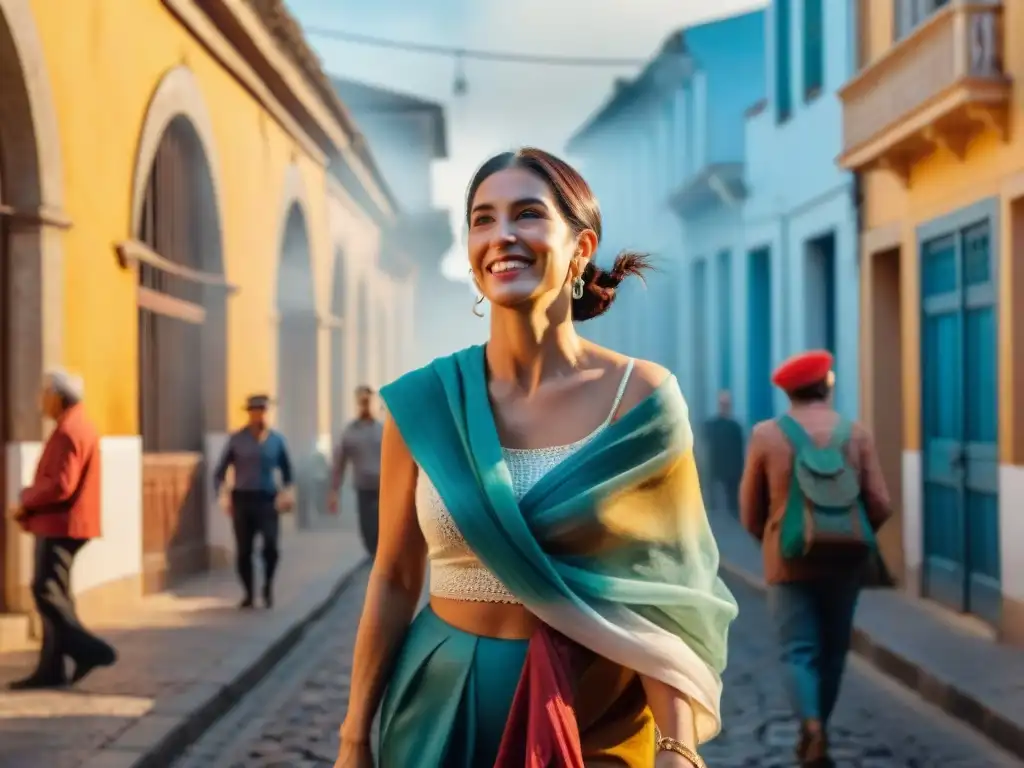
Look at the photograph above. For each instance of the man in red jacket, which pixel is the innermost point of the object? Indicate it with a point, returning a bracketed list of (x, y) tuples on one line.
[(62, 510)]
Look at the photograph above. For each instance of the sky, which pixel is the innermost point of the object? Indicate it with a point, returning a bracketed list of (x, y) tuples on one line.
[(507, 104)]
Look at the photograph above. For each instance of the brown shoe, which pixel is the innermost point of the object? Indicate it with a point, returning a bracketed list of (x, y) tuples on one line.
[(812, 751)]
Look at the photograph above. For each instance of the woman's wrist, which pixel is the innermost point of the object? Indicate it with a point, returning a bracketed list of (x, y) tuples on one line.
[(672, 760), (351, 734)]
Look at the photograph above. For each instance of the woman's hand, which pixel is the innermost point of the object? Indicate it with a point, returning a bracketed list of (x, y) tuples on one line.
[(354, 754)]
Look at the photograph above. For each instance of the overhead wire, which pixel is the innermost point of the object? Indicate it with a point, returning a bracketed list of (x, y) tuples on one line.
[(472, 53)]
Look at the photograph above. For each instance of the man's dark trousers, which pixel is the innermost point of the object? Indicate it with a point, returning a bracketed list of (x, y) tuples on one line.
[(729, 487), (63, 633), (254, 514), (368, 509)]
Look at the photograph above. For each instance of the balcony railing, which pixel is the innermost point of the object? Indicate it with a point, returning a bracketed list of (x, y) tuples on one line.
[(939, 86)]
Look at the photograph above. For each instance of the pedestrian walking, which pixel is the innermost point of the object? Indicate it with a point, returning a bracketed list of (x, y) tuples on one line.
[(724, 442), (813, 493), (575, 609), (360, 446), (61, 509), (258, 497)]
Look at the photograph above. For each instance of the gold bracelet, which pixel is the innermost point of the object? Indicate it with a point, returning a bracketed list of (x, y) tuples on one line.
[(667, 744)]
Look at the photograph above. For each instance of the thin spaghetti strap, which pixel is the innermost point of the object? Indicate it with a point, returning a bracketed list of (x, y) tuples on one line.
[(621, 392)]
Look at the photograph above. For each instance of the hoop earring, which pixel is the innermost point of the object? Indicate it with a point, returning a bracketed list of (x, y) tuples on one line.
[(479, 294), (577, 288)]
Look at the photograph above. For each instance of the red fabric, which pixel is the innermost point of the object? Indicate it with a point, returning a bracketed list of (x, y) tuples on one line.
[(803, 370), (541, 731), (64, 498)]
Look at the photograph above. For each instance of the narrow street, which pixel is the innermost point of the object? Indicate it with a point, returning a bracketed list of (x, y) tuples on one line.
[(290, 720)]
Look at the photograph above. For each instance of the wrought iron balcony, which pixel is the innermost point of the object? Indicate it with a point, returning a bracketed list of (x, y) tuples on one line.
[(940, 86)]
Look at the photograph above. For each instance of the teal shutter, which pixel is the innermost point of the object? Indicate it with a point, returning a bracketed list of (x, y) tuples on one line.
[(814, 48), (783, 89)]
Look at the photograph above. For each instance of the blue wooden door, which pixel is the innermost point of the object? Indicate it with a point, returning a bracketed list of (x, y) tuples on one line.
[(981, 423), (759, 336), (959, 410)]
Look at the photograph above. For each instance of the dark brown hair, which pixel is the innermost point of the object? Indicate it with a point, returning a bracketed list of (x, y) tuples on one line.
[(812, 393), (579, 208)]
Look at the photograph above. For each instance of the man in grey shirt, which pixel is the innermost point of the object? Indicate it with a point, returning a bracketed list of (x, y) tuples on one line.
[(360, 446)]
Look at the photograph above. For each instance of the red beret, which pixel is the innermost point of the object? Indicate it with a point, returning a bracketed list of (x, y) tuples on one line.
[(803, 370)]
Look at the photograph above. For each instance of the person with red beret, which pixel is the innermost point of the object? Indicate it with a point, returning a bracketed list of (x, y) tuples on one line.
[(793, 463)]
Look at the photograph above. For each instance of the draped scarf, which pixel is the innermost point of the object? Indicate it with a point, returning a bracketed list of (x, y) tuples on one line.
[(611, 549)]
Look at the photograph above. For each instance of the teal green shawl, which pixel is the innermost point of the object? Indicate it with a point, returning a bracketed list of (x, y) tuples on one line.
[(611, 548)]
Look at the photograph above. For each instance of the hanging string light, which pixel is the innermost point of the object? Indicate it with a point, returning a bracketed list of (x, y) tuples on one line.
[(460, 85)]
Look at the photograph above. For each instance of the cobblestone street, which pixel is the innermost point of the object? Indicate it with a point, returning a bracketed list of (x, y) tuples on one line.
[(291, 719)]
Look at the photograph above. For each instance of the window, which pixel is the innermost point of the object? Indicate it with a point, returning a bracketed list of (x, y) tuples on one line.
[(699, 339), (724, 306), (685, 111), (909, 13), (783, 96), (820, 303), (814, 48)]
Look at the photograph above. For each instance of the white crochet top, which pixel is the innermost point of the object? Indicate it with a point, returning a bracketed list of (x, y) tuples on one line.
[(455, 572)]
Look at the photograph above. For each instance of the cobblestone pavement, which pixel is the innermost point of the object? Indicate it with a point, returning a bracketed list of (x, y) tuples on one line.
[(290, 721), (176, 649)]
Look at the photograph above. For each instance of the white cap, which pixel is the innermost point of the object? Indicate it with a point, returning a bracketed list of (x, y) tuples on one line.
[(68, 385)]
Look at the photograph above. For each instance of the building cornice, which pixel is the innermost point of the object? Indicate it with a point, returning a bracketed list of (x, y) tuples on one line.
[(667, 71), (717, 184), (262, 46)]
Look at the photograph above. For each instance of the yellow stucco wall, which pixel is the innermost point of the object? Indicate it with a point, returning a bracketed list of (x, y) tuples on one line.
[(940, 185), (102, 82)]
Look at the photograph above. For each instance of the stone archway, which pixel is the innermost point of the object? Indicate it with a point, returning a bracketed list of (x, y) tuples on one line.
[(31, 217), (177, 255), (297, 351), (182, 316), (340, 396)]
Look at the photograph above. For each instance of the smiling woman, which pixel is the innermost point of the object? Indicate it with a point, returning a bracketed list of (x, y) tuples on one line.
[(557, 205), (575, 608)]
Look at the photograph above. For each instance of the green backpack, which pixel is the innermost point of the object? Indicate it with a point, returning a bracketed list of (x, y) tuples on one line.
[(825, 516)]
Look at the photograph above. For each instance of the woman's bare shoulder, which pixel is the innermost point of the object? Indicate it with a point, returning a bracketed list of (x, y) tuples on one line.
[(645, 378)]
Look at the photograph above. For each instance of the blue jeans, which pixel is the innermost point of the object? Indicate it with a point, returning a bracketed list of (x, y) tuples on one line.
[(814, 620)]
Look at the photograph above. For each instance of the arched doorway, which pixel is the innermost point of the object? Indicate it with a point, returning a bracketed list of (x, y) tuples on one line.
[(181, 317), (363, 337), (4, 341), (383, 333), (31, 199), (340, 396), (297, 354)]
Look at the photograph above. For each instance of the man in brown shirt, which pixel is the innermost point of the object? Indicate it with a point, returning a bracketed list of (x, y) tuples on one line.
[(62, 510), (812, 601)]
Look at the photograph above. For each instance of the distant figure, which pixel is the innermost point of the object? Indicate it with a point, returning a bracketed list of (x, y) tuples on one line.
[(813, 494), (724, 438), (360, 446), (256, 451), (62, 510)]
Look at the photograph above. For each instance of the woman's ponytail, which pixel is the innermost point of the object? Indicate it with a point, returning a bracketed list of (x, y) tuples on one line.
[(599, 285)]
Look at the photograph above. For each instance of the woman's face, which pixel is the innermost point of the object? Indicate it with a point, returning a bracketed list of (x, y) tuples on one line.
[(520, 247)]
